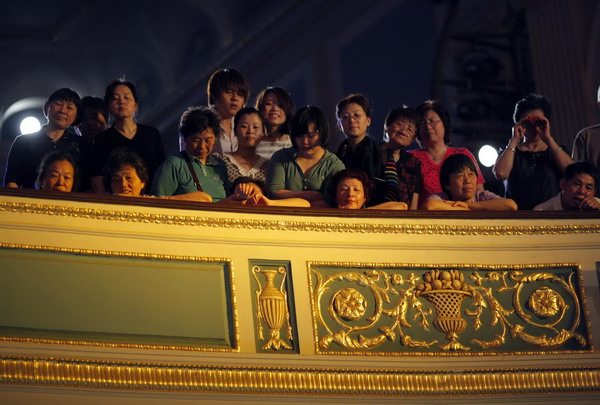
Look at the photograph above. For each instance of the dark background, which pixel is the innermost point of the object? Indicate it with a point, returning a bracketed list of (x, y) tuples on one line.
[(478, 57)]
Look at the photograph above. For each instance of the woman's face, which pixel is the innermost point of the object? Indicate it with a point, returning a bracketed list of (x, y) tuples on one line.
[(59, 176), (201, 144), (432, 129), (350, 194), (229, 101), (92, 122), (126, 182), (307, 144), (354, 121), (401, 133), (61, 114), (272, 111), (462, 185), (532, 131), (249, 130), (123, 104)]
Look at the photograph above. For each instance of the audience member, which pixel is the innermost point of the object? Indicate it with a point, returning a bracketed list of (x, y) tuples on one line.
[(127, 175), (532, 163), (121, 98), (434, 137), (402, 171), (351, 189), (577, 189), (302, 170), (249, 129), (277, 108), (195, 168), (94, 118), (58, 172), (458, 180), (358, 150), (27, 151), (227, 92), (587, 143)]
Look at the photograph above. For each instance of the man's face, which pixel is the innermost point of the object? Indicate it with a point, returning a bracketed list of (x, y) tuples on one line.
[(577, 189)]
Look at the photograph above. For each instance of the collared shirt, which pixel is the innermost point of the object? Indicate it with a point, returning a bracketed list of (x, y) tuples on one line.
[(224, 144), (430, 171), (284, 173), (553, 204), (173, 177)]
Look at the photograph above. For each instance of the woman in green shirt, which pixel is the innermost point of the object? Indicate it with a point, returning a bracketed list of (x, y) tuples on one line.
[(302, 170)]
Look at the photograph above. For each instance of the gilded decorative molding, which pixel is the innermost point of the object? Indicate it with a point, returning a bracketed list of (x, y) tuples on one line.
[(76, 373), (305, 226), (519, 309), (135, 255), (272, 308)]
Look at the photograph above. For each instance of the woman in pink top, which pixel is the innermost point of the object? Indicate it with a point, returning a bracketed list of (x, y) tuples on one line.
[(434, 137)]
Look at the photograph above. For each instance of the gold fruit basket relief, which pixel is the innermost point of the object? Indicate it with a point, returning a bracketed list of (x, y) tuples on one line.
[(449, 310)]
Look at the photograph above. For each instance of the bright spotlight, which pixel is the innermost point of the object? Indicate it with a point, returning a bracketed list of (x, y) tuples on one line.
[(487, 155), (30, 125)]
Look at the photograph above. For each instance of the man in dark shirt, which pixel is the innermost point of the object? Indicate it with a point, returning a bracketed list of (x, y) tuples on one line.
[(28, 150)]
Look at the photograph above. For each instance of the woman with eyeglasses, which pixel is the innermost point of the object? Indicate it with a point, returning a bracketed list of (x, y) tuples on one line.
[(532, 163), (434, 136), (358, 150)]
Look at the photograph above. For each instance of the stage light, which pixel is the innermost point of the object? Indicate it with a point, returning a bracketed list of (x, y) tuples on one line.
[(30, 125), (487, 155)]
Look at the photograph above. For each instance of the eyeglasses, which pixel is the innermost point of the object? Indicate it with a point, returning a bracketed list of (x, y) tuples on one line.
[(431, 122), (404, 126), (356, 116)]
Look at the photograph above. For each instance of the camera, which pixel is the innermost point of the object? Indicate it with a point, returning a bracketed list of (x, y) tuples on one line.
[(532, 123)]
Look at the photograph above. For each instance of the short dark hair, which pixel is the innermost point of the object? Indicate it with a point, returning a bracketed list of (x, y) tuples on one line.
[(402, 111), (530, 103), (198, 119), (310, 115), (581, 167), (120, 157), (57, 156), (97, 104), (284, 101), (357, 174), (224, 78), (65, 94), (110, 90), (247, 111), (455, 164), (439, 108), (355, 98)]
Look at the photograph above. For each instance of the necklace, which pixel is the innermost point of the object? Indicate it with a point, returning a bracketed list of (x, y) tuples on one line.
[(438, 156)]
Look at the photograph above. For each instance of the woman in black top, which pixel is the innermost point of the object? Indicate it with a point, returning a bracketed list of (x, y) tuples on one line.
[(122, 101)]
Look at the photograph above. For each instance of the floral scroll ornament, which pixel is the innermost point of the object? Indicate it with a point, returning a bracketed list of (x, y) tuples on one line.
[(349, 304), (272, 308), (545, 302), (352, 322)]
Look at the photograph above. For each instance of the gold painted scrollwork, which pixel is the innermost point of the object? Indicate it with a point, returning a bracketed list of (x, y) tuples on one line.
[(540, 309), (271, 308)]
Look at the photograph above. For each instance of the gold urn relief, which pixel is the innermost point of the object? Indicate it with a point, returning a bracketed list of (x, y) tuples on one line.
[(272, 308), (476, 310), (446, 290)]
